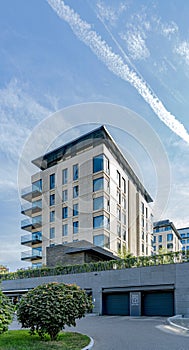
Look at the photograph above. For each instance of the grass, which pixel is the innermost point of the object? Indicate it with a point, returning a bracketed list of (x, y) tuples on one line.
[(22, 340)]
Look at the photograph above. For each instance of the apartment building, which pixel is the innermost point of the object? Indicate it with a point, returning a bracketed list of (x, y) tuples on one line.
[(86, 190), (166, 237), (184, 233)]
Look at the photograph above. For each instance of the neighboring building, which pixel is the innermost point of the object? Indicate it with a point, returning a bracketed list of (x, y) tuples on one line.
[(184, 233), (77, 253), (86, 190), (166, 237), (3, 269)]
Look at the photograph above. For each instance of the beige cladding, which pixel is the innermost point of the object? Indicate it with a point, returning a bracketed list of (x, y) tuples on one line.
[(130, 221)]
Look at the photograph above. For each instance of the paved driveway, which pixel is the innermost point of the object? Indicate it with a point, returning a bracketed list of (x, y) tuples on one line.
[(129, 333), (126, 333)]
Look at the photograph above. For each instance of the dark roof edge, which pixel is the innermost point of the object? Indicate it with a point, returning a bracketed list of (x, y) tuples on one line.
[(39, 162)]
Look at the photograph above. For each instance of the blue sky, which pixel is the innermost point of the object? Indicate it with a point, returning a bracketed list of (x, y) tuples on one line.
[(132, 53)]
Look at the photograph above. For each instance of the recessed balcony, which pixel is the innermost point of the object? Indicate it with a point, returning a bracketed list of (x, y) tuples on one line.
[(32, 239), (30, 209), (31, 224), (31, 255)]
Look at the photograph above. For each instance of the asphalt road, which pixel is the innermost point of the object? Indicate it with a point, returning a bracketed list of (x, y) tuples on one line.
[(127, 333)]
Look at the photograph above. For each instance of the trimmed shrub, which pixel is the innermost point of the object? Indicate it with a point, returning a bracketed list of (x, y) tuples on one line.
[(48, 308), (6, 312)]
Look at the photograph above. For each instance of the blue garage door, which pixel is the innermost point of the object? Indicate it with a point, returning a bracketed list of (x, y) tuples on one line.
[(158, 303), (116, 304)]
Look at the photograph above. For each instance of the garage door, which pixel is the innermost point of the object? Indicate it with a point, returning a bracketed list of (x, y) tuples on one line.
[(158, 303), (116, 304)]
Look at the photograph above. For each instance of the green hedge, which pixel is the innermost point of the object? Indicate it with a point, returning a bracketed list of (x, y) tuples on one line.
[(141, 261)]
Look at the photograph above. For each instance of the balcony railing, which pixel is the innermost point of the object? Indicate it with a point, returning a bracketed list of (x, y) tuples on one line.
[(30, 224), (31, 239), (29, 209), (30, 192), (31, 255)]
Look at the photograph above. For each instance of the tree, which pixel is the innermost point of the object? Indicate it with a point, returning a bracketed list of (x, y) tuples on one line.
[(48, 308), (125, 253), (6, 312)]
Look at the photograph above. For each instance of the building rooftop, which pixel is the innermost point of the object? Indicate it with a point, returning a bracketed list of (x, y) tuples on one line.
[(165, 223), (87, 141)]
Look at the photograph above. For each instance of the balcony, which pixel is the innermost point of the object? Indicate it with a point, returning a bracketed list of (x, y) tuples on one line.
[(31, 239), (31, 255), (29, 209), (33, 191), (33, 223)]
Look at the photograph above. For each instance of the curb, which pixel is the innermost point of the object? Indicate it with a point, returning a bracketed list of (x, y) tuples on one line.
[(176, 325), (90, 346)]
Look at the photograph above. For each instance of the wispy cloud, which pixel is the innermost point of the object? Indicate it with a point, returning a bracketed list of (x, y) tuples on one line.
[(115, 64), (168, 29), (19, 112), (110, 13), (136, 44), (183, 50)]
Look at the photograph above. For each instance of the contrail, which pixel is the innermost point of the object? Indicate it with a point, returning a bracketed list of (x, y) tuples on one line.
[(115, 64)]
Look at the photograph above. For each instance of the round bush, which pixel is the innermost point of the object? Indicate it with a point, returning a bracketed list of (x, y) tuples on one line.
[(48, 308)]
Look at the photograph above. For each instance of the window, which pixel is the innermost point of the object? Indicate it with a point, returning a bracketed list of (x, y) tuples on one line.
[(124, 202), (154, 249), (142, 248), (98, 184), (119, 246), (52, 181), (123, 186), (75, 226), (118, 213), (100, 162), (118, 196), (142, 208), (52, 216), (142, 222), (101, 241), (64, 195), (118, 179), (52, 199), (160, 238), (101, 221), (52, 232), (64, 176), (37, 186), (169, 237), (146, 213), (64, 212), (154, 241), (169, 245), (124, 235), (101, 203), (119, 230), (75, 209), (182, 235), (75, 191), (65, 230), (124, 218), (98, 203), (75, 172), (160, 247)]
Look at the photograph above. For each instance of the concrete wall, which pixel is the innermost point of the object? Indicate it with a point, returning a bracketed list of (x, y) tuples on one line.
[(162, 277)]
